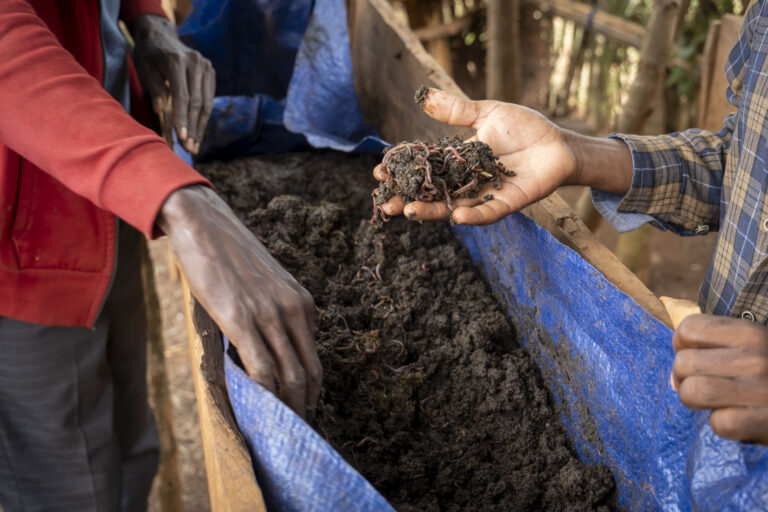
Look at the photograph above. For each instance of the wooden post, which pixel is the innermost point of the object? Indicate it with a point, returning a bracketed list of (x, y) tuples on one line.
[(429, 13), (232, 484), (632, 248), (168, 483), (504, 65), (652, 66)]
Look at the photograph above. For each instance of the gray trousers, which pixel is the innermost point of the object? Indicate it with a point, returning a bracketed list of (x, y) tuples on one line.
[(76, 433)]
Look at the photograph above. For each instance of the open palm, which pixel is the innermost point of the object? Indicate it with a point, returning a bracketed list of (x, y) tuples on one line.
[(524, 140)]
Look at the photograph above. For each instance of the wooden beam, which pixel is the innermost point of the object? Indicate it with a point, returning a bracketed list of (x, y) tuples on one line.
[(168, 482), (390, 64), (611, 26), (231, 481), (445, 30), (503, 66)]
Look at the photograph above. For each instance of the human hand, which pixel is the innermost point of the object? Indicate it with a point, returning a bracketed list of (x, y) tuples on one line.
[(266, 314), (722, 364), (525, 141), (171, 70)]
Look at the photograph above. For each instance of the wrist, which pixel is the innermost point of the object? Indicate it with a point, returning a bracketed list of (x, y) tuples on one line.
[(146, 23), (601, 163), (182, 207)]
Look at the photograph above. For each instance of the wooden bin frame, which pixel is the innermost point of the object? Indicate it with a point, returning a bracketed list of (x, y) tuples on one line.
[(389, 65)]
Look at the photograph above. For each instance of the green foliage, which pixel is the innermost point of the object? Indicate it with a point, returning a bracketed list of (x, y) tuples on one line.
[(685, 74)]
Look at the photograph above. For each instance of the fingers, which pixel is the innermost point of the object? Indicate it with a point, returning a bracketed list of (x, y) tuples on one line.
[(452, 109), (208, 93), (180, 97), (698, 392), (437, 210), (195, 80), (482, 214), (710, 331), (256, 359), (741, 423), (380, 174), (720, 362), (301, 329), (290, 373), (155, 84), (393, 206)]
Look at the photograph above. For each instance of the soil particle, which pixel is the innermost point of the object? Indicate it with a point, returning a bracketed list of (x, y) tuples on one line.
[(421, 95), (426, 391), (440, 171)]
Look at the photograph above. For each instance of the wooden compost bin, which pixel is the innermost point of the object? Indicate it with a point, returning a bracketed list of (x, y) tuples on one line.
[(389, 65)]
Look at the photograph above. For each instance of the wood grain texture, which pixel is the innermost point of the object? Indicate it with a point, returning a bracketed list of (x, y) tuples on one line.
[(713, 106), (390, 65), (168, 482), (611, 26), (231, 480)]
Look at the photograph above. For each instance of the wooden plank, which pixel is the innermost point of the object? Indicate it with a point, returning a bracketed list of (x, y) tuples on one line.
[(713, 106), (231, 480), (168, 482), (611, 26), (445, 30), (390, 64)]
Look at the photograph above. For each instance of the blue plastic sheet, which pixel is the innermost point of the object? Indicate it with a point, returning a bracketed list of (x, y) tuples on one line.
[(605, 359), (283, 77)]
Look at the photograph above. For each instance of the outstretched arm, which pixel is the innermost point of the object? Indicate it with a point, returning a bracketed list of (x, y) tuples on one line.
[(542, 155), (674, 178)]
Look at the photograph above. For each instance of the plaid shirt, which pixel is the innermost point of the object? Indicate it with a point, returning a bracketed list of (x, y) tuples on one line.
[(699, 181)]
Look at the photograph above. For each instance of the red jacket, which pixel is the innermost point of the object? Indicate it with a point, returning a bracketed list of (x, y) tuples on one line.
[(71, 159)]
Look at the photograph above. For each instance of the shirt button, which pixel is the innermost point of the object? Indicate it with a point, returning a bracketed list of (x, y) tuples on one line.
[(765, 225), (702, 229), (747, 315)]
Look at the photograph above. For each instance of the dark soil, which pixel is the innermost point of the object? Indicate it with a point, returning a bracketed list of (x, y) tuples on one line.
[(444, 170), (426, 392)]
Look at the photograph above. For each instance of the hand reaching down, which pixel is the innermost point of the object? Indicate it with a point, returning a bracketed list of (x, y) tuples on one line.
[(263, 310), (722, 365), (171, 70)]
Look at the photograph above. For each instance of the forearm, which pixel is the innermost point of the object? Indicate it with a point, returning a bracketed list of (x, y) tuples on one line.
[(601, 163)]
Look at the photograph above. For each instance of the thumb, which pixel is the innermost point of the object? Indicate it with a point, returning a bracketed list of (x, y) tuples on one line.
[(453, 109)]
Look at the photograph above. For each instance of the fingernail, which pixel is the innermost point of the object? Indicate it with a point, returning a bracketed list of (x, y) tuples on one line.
[(190, 145), (158, 105), (672, 382), (183, 133)]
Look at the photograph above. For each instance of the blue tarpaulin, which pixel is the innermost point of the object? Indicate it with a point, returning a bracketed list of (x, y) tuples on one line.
[(285, 80)]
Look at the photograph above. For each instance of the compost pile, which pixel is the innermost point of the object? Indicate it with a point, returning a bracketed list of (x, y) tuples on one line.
[(426, 392), (444, 170)]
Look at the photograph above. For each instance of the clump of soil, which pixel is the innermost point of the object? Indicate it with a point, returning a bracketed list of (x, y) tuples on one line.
[(445, 170), (426, 391)]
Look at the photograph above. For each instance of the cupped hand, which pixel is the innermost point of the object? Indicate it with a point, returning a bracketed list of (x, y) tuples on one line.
[(170, 70), (526, 142), (722, 365), (263, 310)]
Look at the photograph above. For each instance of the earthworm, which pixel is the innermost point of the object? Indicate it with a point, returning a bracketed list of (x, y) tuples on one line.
[(448, 201), (466, 187), (452, 149), (367, 269)]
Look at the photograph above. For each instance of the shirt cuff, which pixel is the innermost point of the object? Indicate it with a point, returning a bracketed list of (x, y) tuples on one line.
[(607, 203)]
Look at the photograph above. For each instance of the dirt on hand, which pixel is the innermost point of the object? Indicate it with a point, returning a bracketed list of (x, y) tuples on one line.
[(440, 171), (426, 391)]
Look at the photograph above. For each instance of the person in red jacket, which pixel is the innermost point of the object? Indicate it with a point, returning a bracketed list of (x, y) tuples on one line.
[(80, 183)]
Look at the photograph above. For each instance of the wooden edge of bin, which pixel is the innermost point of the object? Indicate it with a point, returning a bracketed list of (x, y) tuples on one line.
[(390, 64), (231, 481)]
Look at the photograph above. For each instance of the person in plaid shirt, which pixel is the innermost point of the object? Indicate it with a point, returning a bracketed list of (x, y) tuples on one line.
[(691, 182)]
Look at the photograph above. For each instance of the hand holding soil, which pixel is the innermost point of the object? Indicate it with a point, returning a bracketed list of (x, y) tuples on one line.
[(524, 141), (267, 314)]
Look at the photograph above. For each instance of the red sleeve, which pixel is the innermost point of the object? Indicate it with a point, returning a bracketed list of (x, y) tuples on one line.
[(131, 9), (54, 114)]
